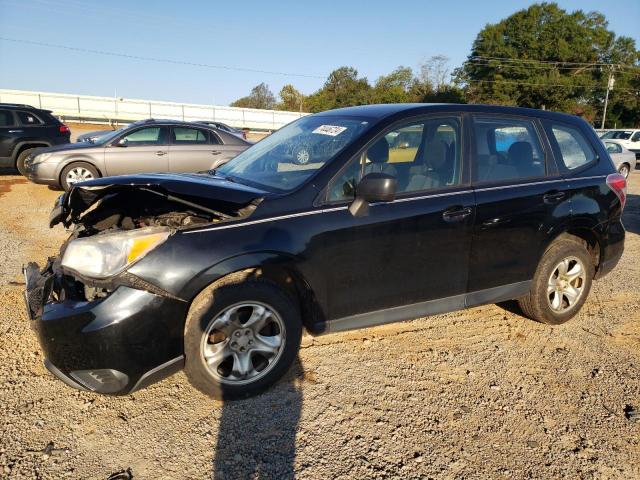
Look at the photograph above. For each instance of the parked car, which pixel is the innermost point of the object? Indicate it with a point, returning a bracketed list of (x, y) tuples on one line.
[(623, 159), (93, 136), (23, 129), (221, 272), (146, 146), (628, 138), (225, 128)]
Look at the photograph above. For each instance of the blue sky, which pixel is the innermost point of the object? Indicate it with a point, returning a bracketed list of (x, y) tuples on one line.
[(308, 38)]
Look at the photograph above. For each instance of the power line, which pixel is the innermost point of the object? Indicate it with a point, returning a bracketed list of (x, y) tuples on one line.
[(155, 59), (549, 68), (526, 60), (592, 87)]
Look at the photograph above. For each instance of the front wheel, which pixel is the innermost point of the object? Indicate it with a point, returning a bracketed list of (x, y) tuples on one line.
[(240, 338), (561, 283), (77, 172)]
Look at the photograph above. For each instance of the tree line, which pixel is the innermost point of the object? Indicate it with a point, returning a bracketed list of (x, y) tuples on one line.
[(539, 57)]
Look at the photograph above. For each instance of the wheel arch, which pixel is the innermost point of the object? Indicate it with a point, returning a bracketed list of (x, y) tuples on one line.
[(587, 232), (26, 144), (278, 267), (73, 160)]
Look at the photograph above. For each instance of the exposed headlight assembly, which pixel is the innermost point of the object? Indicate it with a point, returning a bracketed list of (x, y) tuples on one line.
[(103, 256), (41, 157)]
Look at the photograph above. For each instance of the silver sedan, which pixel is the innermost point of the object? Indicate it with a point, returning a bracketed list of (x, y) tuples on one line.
[(146, 146), (623, 159)]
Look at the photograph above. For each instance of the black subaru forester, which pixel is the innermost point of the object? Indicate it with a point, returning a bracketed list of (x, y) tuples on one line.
[(402, 211)]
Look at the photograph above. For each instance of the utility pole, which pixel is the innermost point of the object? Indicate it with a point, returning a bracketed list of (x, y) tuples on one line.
[(610, 82)]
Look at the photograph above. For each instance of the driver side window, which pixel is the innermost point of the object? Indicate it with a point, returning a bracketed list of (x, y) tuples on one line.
[(422, 156)]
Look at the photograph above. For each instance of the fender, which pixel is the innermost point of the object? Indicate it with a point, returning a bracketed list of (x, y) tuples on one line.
[(234, 264)]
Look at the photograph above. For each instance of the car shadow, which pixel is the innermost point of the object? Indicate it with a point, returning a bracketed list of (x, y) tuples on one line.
[(257, 436)]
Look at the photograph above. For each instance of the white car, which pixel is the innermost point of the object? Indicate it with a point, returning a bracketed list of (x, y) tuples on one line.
[(628, 138), (623, 158)]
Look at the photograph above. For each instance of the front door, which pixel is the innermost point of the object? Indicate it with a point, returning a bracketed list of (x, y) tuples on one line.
[(142, 150), (413, 249), (521, 199)]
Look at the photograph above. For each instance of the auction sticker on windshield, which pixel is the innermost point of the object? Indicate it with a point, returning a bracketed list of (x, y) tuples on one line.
[(331, 130)]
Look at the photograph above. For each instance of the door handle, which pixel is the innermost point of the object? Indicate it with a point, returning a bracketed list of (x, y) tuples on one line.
[(215, 152), (456, 214), (161, 153), (553, 196), (16, 131)]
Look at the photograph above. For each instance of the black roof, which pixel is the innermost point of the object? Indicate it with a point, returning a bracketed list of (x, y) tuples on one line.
[(380, 111), (22, 106)]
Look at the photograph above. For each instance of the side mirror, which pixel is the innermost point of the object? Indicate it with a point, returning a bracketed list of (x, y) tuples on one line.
[(374, 187), (122, 142)]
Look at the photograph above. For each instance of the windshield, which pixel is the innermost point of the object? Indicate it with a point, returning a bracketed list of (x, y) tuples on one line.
[(107, 137), (286, 158), (617, 134)]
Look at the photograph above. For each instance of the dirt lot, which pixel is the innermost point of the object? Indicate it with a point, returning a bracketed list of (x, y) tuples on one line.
[(483, 393)]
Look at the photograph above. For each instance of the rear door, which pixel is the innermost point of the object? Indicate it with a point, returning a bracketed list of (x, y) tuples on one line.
[(521, 200), (144, 149), (193, 149)]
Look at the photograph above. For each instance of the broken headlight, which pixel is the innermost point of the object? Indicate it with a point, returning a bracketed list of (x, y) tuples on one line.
[(102, 256)]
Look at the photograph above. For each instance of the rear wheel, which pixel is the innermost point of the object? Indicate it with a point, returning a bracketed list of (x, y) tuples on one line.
[(561, 283), (624, 170), (21, 159), (77, 172), (240, 338)]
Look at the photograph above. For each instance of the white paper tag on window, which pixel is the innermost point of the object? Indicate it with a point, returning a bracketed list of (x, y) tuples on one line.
[(331, 130)]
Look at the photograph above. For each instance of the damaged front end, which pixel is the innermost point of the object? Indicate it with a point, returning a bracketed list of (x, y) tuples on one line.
[(102, 328)]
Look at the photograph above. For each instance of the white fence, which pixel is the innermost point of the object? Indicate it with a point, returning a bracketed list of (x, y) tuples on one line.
[(86, 108)]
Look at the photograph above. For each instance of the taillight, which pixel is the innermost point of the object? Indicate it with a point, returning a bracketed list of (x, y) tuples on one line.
[(618, 184), (64, 129)]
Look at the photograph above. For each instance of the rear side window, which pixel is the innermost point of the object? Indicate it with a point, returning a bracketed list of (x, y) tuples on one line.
[(613, 147), (6, 118), (506, 149), (636, 137), (28, 118), (573, 148), (189, 136)]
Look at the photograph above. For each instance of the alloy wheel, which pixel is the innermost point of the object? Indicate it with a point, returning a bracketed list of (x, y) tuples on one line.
[(243, 343), (78, 174), (566, 284), (624, 171)]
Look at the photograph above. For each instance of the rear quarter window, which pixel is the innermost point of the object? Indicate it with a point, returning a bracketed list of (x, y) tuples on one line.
[(570, 146)]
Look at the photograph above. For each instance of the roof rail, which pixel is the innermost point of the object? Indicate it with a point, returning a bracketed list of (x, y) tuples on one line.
[(16, 105)]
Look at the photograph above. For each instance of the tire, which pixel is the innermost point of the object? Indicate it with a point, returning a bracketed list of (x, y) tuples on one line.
[(202, 340), (538, 304), (79, 167), (624, 170), (21, 159)]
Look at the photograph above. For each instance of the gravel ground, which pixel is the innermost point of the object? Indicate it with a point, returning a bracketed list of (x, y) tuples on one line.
[(483, 393)]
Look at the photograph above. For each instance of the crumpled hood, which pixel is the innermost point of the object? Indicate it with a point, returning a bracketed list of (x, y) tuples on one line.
[(207, 192)]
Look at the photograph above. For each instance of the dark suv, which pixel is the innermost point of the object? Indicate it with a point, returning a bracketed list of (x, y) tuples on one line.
[(23, 129), (221, 272)]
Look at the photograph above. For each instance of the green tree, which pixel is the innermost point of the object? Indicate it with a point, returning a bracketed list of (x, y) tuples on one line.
[(393, 88), (260, 97), (291, 99), (343, 88), (543, 57)]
